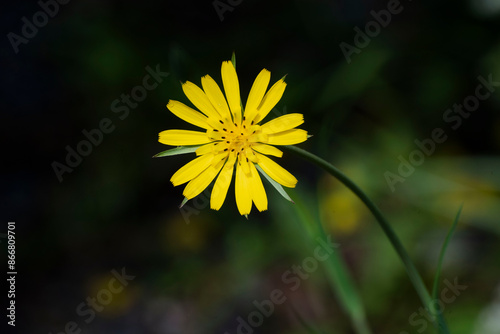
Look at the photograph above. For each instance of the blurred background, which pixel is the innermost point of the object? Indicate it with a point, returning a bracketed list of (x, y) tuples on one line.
[(106, 229)]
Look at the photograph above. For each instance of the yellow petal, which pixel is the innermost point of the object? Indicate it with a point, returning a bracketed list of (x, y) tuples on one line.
[(283, 123), (183, 137), (270, 100), (250, 154), (215, 96), (201, 182), (220, 158), (276, 172), (222, 183), (259, 196), (187, 114), (232, 89), (267, 149), (209, 148), (198, 97), (243, 162), (243, 196), (192, 169), (258, 137), (216, 135), (215, 148), (257, 93), (289, 137)]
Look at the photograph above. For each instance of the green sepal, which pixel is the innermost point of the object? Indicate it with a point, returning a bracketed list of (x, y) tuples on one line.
[(184, 201), (233, 59), (275, 184)]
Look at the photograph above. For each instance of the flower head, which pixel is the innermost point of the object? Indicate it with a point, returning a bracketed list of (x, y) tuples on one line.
[(233, 139)]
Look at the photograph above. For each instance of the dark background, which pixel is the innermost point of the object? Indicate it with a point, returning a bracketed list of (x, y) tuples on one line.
[(117, 208)]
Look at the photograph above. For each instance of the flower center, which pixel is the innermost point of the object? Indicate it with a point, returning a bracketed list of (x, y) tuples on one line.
[(237, 138)]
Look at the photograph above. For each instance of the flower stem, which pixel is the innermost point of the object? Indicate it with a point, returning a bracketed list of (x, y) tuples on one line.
[(386, 227)]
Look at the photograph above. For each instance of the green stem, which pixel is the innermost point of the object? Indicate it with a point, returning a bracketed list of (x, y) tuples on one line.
[(443, 250), (396, 243)]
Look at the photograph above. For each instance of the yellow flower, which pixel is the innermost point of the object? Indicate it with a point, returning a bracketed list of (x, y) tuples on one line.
[(232, 137)]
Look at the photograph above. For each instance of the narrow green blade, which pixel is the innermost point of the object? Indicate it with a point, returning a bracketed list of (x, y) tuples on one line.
[(443, 251), (177, 151), (275, 184), (184, 201)]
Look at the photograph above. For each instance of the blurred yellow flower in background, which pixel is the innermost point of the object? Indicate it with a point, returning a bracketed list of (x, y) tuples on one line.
[(341, 211)]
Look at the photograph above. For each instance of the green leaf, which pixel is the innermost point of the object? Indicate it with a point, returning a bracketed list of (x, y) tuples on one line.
[(177, 151), (275, 184), (443, 250)]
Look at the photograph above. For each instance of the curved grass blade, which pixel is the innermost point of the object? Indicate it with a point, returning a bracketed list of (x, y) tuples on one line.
[(412, 271), (443, 251)]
